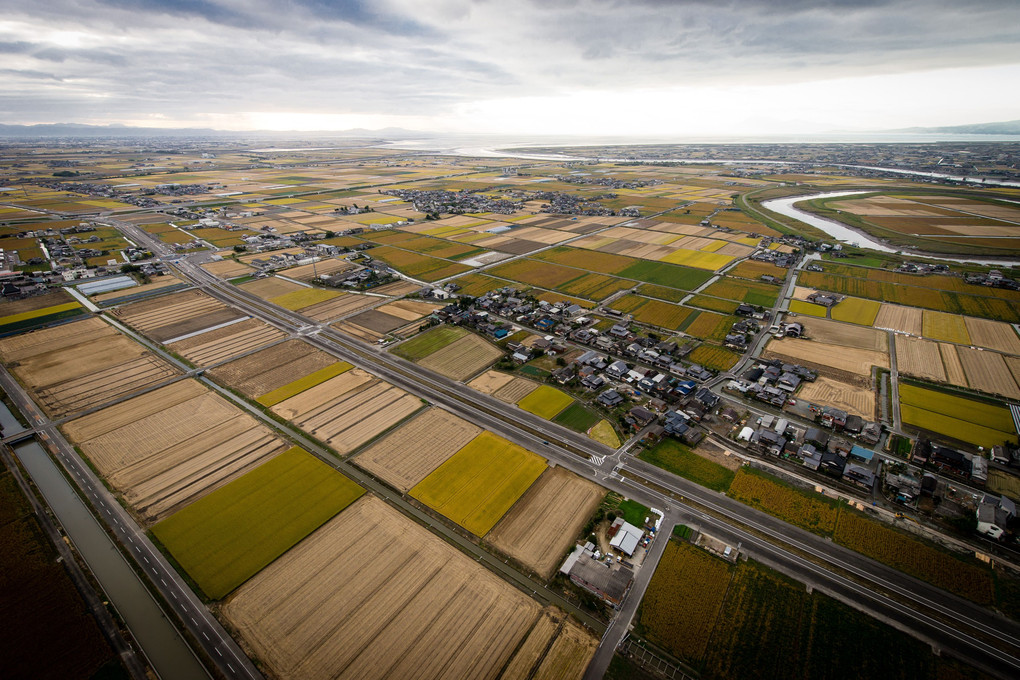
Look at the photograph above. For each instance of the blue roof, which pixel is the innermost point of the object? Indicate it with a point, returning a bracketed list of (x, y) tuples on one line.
[(862, 453)]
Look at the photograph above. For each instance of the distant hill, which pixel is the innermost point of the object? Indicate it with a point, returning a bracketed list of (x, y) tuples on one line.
[(96, 131), (1009, 127)]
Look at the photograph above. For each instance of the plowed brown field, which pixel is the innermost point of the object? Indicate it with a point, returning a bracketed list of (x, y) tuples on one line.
[(409, 454), (373, 595), (516, 390), (490, 381), (270, 368), (177, 314), (951, 362), (856, 361), (542, 525), (227, 342), (845, 334)]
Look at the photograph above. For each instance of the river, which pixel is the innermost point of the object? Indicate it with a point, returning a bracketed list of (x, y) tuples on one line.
[(845, 234), (158, 639)]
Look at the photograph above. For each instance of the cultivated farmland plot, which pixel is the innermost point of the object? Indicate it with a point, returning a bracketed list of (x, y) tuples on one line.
[(845, 335), (463, 358), (348, 410), (410, 606), (410, 453), (478, 484), (515, 390), (79, 365), (987, 372), (851, 398), (490, 381), (173, 445), (823, 356), (543, 524), (221, 344), (227, 269), (271, 287), (920, 358), (270, 368), (993, 335), (339, 306), (899, 318), (172, 316)]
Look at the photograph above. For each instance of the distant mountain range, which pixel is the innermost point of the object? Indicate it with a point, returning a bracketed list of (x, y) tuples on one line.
[(96, 131), (1008, 127)]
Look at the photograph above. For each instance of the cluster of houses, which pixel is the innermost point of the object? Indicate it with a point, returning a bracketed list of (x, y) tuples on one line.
[(993, 278), (608, 576), (817, 448), (950, 461), (437, 201), (772, 381)]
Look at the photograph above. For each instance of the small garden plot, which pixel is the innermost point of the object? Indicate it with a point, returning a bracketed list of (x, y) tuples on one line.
[(462, 358), (225, 538), (545, 402), (856, 310), (543, 524), (476, 486), (306, 297), (410, 453), (604, 433), (577, 417)]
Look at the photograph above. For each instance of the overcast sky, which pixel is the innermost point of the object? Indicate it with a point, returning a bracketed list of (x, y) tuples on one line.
[(643, 67)]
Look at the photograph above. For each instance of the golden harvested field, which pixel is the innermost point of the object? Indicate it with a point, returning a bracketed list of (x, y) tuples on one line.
[(462, 358), (540, 528), (270, 287), (348, 410), (852, 399), (1004, 483), (988, 372), (225, 343), (845, 335), (397, 288), (516, 390), (955, 374), (1014, 367), (557, 648), (899, 318), (945, 327), (410, 453), (848, 359), (411, 606), (80, 365), (920, 358), (168, 447), (339, 306), (993, 335), (177, 314), (227, 269), (270, 368), (307, 272), (490, 381)]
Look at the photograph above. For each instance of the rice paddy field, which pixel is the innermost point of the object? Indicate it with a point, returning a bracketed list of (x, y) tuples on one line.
[(975, 422), (226, 537), (545, 402), (176, 314), (478, 484)]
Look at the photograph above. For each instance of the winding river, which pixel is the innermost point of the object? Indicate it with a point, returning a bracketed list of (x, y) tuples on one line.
[(845, 234)]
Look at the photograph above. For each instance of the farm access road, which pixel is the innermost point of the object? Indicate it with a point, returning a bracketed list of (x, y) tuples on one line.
[(577, 453), (932, 615)]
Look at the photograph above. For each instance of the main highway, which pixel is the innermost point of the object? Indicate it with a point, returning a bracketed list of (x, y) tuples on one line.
[(973, 633)]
